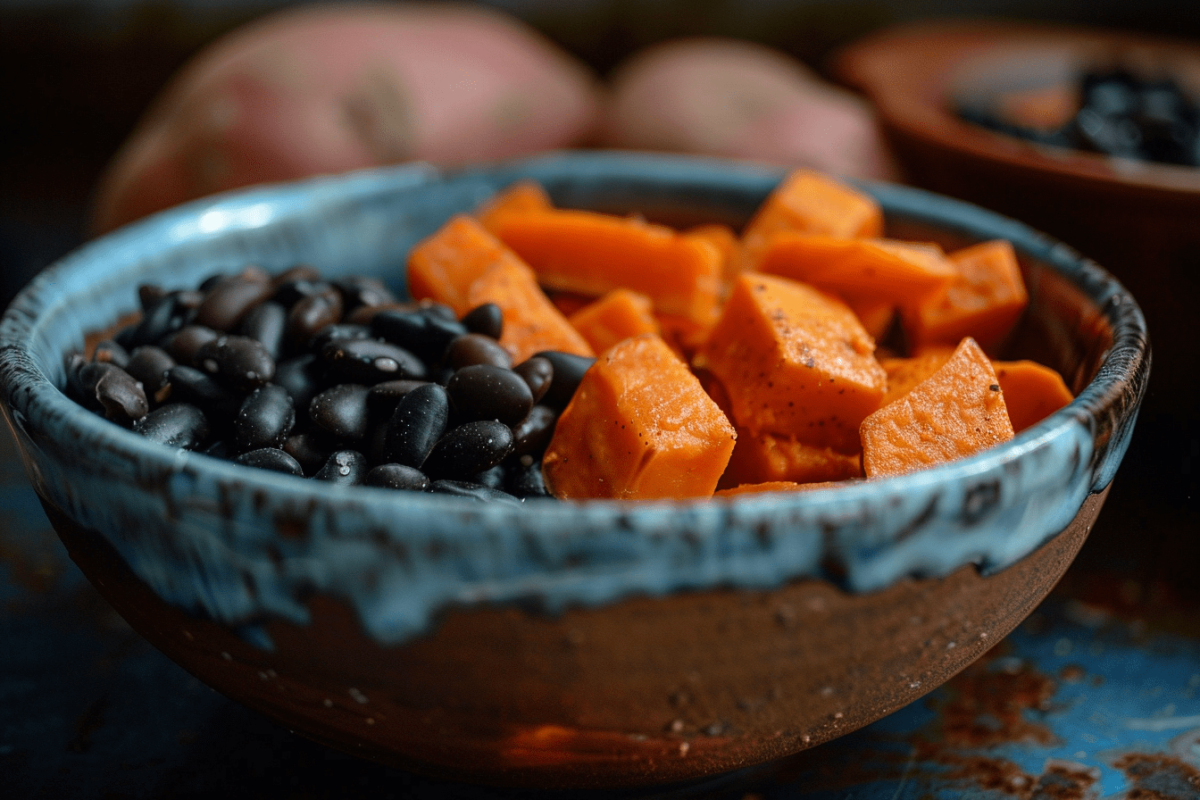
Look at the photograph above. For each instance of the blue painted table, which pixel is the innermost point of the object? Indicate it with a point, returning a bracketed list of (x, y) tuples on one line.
[(1086, 699)]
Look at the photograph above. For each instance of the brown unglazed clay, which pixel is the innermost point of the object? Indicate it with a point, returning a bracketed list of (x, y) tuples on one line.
[(630, 693)]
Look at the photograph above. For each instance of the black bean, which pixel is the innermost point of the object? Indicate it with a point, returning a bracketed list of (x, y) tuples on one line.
[(419, 421), (470, 448), (424, 334), (568, 372), (493, 478), (312, 313), (110, 352), (149, 294), (311, 450), (538, 372), (486, 319), (475, 348), (300, 272), (344, 467), (341, 411), (266, 322), (342, 330), (359, 290), (525, 478), (431, 308), (473, 490), (265, 419), (364, 314), (149, 364), (229, 301), (384, 397), (176, 425), (219, 449), (184, 344), (397, 476), (272, 459), (168, 315), (190, 385), (288, 293), (486, 392), (212, 280), (532, 434), (302, 376), (370, 361), (122, 398), (239, 362), (85, 375)]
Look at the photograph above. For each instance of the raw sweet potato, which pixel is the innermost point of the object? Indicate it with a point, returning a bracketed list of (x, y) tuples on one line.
[(903, 273), (955, 412), (464, 266), (809, 202), (591, 253), (767, 457), (983, 302), (638, 427), (1032, 392), (794, 361), (621, 314)]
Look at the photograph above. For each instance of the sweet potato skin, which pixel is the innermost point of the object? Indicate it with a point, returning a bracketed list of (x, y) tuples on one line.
[(639, 427)]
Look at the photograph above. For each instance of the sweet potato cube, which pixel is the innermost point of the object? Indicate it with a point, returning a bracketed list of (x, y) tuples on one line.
[(621, 314), (767, 457), (531, 322), (779, 486), (443, 266), (520, 198), (875, 314), (639, 427), (905, 373), (983, 302), (903, 272), (591, 253), (794, 361), (955, 412), (1032, 392), (809, 202), (726, 242)]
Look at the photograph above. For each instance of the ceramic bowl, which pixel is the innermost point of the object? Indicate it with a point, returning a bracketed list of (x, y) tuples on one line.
[(560, 644)]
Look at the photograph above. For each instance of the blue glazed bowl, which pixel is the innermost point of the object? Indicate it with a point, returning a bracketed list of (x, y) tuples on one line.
[(560, 644)]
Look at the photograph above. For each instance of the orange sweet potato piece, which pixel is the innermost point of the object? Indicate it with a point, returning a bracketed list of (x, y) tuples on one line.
[(902, 272), (464, 266), (905, 373), (955, 412), (780, 486), (983, 302), (767, 457), (592, 253), (520, 198), (875, 314), (620, 314), (569, 302), (726, 242), (531, 322), (1032, 392), (809, 202), (639, 427), (794, 361)]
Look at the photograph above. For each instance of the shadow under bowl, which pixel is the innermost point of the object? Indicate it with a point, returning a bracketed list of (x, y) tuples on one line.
[(597, 644)]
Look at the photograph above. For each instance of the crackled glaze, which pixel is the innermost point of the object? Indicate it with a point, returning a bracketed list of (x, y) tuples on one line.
[(242, 546)]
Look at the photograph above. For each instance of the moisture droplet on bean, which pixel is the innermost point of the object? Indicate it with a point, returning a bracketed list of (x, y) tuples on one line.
[(416, 425), (538, 372), (239, 362), (473, 490), (397, 476), (475, 348), (265, 419), (344, 467), (370, 361), (175, 425), (486, 392), (568, 372), (470, 448), (272, 459), (342, 411), (486, 319)]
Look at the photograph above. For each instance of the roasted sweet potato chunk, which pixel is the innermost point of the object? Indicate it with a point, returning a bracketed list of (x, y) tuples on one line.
[(1032, 392), (621, 314), (770, 458), (639, 427)]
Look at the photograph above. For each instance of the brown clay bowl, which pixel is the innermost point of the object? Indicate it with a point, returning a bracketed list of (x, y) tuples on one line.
[(597, 644)]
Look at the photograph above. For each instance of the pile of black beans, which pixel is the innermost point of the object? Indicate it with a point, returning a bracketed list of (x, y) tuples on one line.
[(1121, 114), (333, 380)]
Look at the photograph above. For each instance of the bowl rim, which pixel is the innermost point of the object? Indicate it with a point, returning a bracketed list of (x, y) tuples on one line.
[(909, 71), (1106, 405)]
